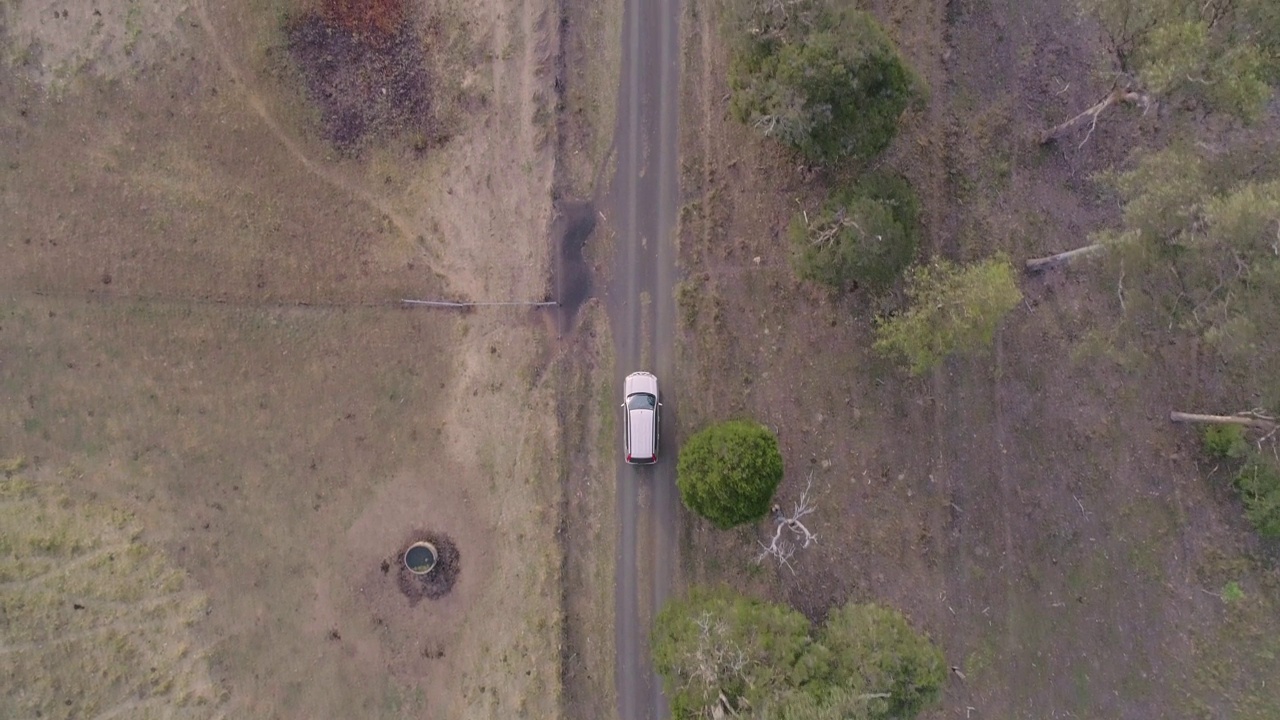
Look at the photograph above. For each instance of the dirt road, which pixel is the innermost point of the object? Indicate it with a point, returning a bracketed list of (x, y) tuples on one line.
[(642, 312)]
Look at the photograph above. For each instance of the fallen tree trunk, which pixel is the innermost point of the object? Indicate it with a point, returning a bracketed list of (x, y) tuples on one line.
[(1044, 263), (1117, 95), (1245, 419)]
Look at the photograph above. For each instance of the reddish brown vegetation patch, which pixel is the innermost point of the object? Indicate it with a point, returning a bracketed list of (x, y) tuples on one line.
[(363, 64), (366, 18)]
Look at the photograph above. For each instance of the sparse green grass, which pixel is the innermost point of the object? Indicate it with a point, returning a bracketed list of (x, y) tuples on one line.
[(84, 597), (1237, 657), (980, 660), (9, 466)]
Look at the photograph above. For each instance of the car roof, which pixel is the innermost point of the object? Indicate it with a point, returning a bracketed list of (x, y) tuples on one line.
[(641, 440), (640, 382)]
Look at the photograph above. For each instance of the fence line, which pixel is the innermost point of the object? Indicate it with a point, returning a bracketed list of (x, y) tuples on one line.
[(451, 304), (110, 296)]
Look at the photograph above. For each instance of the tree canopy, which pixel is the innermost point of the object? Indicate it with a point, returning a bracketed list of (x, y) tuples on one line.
[(719, 649), (1204, 250), (1222, 52), (863, 235), (825, 80), (952, 308), (1197, 249), (728, 472), (1221, 55)]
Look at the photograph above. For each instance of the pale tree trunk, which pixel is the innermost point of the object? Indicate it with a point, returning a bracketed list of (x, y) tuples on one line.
[(1253, 420), (1118, 95), (1039, 264)]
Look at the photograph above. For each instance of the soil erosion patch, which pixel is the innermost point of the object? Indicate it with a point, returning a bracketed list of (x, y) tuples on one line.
[(364, 67)]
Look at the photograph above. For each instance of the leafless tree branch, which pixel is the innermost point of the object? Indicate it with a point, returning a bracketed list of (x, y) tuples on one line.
[(766, 123), (823, 233), (1251, 418), (781, 548), (1118, 95)]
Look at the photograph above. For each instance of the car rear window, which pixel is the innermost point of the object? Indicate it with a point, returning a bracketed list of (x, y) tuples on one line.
[(641, 401)]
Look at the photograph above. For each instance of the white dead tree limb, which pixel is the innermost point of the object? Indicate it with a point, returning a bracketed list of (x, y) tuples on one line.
[(1116, 96), (766, 124), (823, 233), (782, 547), (1040, 264), (716, 659), (1250, 418)]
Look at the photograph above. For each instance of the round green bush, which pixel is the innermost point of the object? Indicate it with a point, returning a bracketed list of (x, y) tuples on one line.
[(826, 81), (862, 236), (728, 472)]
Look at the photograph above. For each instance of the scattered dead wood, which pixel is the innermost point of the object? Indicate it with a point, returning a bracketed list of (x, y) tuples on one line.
[(781, 548), (1251, 419), (1117, 95), (1040, 264)]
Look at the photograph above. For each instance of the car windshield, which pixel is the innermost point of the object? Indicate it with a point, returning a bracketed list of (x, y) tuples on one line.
[(640, 401)]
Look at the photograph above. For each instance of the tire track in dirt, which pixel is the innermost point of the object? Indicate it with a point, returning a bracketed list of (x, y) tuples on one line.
[(401, 223), (951, 532), (941, 521), (975, 381)]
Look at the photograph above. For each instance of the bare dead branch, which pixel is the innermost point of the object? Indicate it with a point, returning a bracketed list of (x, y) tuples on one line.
[(1039, 264), (767, 122), (716, 660), (1247, 419), (781, 548), (826, 232), (1118, 95), (1120, 289)]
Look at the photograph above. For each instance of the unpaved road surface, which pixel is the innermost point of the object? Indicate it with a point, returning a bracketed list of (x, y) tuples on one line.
[(642, 313)]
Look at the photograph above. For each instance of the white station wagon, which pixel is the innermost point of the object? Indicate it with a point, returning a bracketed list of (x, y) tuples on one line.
[(640, 407)]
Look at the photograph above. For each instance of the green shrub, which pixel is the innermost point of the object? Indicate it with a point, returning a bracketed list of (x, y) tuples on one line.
[(1259, 486), (826, 81), (953, 308), (728, 472), (1223, 441), (864, 235), (719, 650), (877, 649)]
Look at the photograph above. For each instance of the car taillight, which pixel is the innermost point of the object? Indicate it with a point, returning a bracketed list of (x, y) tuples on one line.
[(628, 457)]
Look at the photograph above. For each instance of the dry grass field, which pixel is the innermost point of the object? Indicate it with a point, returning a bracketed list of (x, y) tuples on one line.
[(203, 361)]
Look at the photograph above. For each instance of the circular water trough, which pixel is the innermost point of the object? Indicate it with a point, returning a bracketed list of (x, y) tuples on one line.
[(420, 558)]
